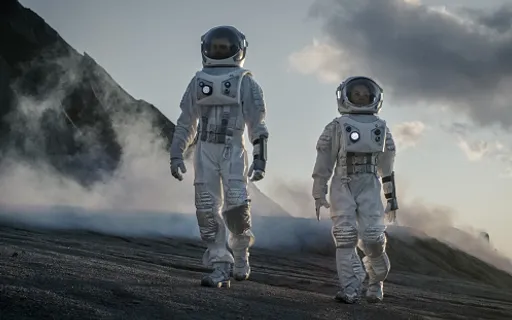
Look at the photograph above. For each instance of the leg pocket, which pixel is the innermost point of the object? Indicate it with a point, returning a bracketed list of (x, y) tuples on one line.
[(235, 193), (237, 167)]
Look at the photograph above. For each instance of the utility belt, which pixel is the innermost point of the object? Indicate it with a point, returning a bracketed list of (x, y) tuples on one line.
[(219, 134), (223, 133), (356, 163)]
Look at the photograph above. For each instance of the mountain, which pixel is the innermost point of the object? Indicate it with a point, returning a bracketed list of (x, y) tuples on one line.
[(60, 107)]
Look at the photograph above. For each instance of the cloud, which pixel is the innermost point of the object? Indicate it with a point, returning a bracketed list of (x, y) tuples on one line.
[(318, 59), (474, 150), (459, 59), (408, 134), (478, 149)]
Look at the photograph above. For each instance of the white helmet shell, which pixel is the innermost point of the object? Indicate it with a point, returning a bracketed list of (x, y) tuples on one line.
[(359, 95), (223, 46)]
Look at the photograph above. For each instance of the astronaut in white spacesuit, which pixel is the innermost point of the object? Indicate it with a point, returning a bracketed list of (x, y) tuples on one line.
[(356, 149), (218, 103)]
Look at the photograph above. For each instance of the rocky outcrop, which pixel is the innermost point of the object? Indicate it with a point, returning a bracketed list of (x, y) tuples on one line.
[(59, 104)]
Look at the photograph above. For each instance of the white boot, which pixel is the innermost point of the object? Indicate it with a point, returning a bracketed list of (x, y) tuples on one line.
[(375, 291), (240, 245), (348, 295), (241, 268), (219, 277), (350, 274)]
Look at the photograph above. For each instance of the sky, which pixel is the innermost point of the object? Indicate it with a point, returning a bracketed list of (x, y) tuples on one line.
[(444, 65)]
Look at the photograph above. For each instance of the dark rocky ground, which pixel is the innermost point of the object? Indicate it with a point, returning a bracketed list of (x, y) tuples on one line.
[(84, 275)]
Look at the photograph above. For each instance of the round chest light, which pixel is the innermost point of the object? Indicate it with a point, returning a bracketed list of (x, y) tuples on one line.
[(354, 136), (206, 89)]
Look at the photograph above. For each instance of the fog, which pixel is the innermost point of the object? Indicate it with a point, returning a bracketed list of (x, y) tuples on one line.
[(142, 198)]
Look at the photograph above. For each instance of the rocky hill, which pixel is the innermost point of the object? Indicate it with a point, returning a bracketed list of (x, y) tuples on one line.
[(61, 107), (58, 104)]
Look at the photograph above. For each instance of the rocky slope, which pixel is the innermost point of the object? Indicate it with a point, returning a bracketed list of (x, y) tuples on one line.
[(87, 275), (58, 104), (61, 107)]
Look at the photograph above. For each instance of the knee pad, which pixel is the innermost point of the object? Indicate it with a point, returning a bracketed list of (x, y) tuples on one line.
[(345, 235), (206, 216), (238, 219), (374, 241)]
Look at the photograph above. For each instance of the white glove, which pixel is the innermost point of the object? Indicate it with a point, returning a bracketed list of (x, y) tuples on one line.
[(319, 203), (390, 211)]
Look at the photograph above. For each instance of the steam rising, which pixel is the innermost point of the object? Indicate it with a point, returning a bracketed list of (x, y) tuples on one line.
[(142, 198), (415, 218), (142, 182)]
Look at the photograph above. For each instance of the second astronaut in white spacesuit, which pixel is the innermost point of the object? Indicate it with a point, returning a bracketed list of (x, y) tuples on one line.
[(356, 149), (219, 102)]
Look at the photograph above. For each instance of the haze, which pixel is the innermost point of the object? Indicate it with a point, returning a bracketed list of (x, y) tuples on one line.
[(445, 75)]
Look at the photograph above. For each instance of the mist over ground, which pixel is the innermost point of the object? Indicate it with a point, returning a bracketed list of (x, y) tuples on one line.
[(415, 218), (140, 197)]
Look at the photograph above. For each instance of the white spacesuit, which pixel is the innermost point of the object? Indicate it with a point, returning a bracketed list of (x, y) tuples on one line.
[(218, 103), (355, 149)]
